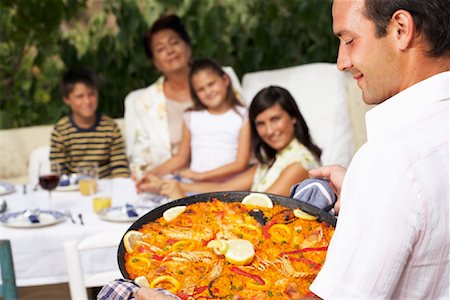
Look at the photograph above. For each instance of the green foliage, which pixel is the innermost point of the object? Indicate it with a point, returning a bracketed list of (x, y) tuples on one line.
[(41, 39)]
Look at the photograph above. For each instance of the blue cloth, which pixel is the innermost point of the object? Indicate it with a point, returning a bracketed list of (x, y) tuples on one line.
[(33, 218), (131, 212), (317, 192)]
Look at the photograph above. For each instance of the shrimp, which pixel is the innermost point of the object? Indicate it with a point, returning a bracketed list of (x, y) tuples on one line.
[(288, 269), (189, 234), (190, 256)]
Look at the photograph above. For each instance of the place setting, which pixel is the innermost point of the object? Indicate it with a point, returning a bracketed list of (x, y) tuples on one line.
[(119, 189), (36, 217)]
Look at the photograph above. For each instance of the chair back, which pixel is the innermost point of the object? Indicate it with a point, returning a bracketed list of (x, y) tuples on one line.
[(78, 279), (39, 157), (8, 289)]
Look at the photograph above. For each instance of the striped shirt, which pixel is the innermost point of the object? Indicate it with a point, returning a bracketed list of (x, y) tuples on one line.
[(102, 144)]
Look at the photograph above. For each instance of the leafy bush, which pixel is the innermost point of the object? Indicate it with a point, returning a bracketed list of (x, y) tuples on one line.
[(41, 39)]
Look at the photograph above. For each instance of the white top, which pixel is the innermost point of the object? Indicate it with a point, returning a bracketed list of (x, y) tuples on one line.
[(214, 138), (146, 125), (267, 174), (392, 240)]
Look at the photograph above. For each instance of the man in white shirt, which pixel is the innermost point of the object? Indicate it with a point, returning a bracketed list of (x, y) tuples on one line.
[(392, 239)]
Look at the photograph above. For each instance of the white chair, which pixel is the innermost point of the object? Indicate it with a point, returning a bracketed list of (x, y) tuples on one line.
[(39, 157), (78, 279), (320, 92)]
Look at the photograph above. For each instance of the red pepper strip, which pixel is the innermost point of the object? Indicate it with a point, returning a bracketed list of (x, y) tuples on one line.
[(157, 257), (171, 241), (183, 296), (199, 290), (253, 276), (306, 250), (154, 256), (305, 260), (265, 229)]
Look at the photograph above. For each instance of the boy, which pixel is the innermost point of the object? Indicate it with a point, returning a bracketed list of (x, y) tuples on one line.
[(85, 135)]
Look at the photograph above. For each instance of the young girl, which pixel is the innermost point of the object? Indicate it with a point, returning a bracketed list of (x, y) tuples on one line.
[(216, 132)]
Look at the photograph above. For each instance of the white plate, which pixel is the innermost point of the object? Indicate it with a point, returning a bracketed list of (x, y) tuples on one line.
[(118, 214), (67, 188), (6, 188), (19, 220)]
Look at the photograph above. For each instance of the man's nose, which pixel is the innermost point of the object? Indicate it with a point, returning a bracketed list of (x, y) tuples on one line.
[(344, 62)]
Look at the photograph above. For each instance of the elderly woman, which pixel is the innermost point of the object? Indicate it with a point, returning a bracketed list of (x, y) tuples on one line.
[(153, 115)]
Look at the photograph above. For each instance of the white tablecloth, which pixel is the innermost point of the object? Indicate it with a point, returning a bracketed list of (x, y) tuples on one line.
[(38, 253)]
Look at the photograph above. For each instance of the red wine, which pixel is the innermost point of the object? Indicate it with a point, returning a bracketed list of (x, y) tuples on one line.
[(49, 182)]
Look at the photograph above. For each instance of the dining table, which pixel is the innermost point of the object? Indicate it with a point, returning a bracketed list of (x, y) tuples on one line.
[(38, 250)]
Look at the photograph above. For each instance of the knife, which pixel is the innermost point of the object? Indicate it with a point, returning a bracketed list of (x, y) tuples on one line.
[(80, 216)]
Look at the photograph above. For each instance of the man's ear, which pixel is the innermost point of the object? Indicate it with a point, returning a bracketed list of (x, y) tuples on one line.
[(66, 100), (403, 28)]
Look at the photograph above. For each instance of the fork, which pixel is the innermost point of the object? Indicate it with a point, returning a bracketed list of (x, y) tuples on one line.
[(69, 215)]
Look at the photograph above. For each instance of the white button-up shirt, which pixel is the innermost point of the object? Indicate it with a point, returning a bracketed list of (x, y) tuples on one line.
[(392, 239)]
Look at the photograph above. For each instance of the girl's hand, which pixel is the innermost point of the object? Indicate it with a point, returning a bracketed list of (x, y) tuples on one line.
[(172, 189), (189, 174), (149, 183)]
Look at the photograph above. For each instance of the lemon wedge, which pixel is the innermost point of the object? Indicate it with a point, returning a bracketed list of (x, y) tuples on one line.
[(173, 212), (240, 252), (304, 216), (130, 239), (219, 246), (142, 281), (258, 200)]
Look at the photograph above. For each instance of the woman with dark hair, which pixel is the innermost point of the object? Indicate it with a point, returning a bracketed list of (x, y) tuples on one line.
[(153, 115), (281, 143)]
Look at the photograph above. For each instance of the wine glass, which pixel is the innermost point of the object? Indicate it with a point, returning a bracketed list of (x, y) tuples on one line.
[(49, 177)]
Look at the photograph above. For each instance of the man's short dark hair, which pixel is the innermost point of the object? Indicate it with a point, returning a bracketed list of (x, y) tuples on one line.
[(431, 18), (74, 76), (165, 22)]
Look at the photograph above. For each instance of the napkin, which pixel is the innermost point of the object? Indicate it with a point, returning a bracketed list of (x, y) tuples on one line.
[(131, 212), (317, 192), (32, 215), (64, 180)]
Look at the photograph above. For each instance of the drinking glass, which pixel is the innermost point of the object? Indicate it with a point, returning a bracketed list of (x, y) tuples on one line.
[(49, 177), (138, 169), (87, 179)]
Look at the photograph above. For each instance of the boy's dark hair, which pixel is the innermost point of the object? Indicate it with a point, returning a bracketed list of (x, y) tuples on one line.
[(431, 18), (165, 22), (74, 76), (265, 99), (209, 64)]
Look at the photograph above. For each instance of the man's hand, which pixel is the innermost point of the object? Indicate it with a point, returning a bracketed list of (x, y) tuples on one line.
[(145, 293), (335, 175)]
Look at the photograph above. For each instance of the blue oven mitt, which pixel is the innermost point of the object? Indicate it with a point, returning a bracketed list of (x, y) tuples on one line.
[(317, 192)]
